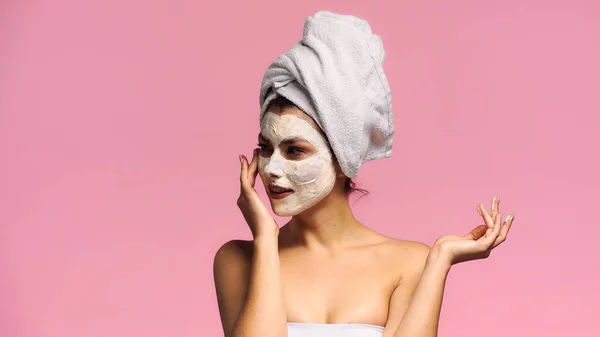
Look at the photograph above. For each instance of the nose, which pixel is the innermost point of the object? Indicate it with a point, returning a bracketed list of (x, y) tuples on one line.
[(275, 166)]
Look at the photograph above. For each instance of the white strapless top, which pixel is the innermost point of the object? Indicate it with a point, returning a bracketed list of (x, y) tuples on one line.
[(333, 330)]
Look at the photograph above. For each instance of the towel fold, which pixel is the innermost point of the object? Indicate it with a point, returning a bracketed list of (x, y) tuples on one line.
[(335, 75)]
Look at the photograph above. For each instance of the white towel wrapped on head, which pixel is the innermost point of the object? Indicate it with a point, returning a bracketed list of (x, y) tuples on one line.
[(335, 75)]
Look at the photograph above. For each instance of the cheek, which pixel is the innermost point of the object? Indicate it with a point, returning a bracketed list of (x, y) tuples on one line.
[(307, 170), (262, 165)]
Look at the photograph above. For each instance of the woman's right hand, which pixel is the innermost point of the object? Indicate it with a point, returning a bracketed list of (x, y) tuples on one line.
[(257, 216)]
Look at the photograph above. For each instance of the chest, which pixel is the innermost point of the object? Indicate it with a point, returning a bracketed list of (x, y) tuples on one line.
[(341, 289)]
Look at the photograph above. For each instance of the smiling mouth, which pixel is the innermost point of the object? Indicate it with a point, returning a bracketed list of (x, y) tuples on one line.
[(277, 192)]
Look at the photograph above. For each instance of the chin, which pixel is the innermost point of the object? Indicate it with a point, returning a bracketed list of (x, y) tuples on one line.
[(292, 207), (281, 209)]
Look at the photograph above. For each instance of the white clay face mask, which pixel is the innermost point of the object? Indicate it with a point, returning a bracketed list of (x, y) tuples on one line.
[(311, 179)]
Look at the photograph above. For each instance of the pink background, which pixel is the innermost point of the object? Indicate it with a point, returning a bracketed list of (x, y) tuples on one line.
[(121, 122)]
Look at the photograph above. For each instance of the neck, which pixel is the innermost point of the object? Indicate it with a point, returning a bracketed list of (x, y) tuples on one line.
[(328, 224)]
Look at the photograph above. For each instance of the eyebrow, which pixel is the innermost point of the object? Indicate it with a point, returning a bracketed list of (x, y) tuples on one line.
[(292, 140), (289, 140)]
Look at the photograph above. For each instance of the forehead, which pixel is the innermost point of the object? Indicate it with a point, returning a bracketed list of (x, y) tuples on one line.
[(292, 111)]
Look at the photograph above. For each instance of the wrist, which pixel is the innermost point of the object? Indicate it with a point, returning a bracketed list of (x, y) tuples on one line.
[(266, 241), (439, 258)]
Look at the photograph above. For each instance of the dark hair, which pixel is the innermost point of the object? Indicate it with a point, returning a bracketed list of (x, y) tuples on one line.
[(349, 188), (349, 185), (282, 103)]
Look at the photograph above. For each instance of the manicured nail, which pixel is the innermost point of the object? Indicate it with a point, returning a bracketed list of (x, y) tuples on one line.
[(241, 160), (494, 200), (509, 218), (478, 209)]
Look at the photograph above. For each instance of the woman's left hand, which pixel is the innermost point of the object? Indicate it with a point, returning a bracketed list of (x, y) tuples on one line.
[(479, 243)]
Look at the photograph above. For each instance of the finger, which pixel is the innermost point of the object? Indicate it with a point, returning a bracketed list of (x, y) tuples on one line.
[(495, 203), (491, 236), (498, 222), (476, 233), (243, 172), (253, 168), (485, 215), (489, 230), (504, 230)]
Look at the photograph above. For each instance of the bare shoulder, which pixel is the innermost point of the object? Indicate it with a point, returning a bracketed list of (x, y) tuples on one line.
[(233, 254), (411, 255), (231, 270), (232, 262), (410, 249)]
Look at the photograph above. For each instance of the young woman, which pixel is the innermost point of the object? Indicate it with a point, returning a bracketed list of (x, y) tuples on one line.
[(325, 274)]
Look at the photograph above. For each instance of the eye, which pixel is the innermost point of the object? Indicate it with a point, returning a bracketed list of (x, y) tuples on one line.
[(295, 150), (264, 148)]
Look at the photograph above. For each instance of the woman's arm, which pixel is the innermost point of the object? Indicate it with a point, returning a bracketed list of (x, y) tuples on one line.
[(248, 278), (421, 316), (249, 289), (263, 313), (415, 306)]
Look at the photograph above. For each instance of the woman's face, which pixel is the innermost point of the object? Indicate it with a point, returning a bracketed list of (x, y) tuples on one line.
[(295, 162)]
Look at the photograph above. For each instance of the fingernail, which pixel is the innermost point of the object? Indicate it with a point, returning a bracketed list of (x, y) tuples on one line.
[(494, 200), (241, 160), (509, 218), (478, 209)]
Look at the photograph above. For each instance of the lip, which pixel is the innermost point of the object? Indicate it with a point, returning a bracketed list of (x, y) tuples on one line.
[(278, 195)]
